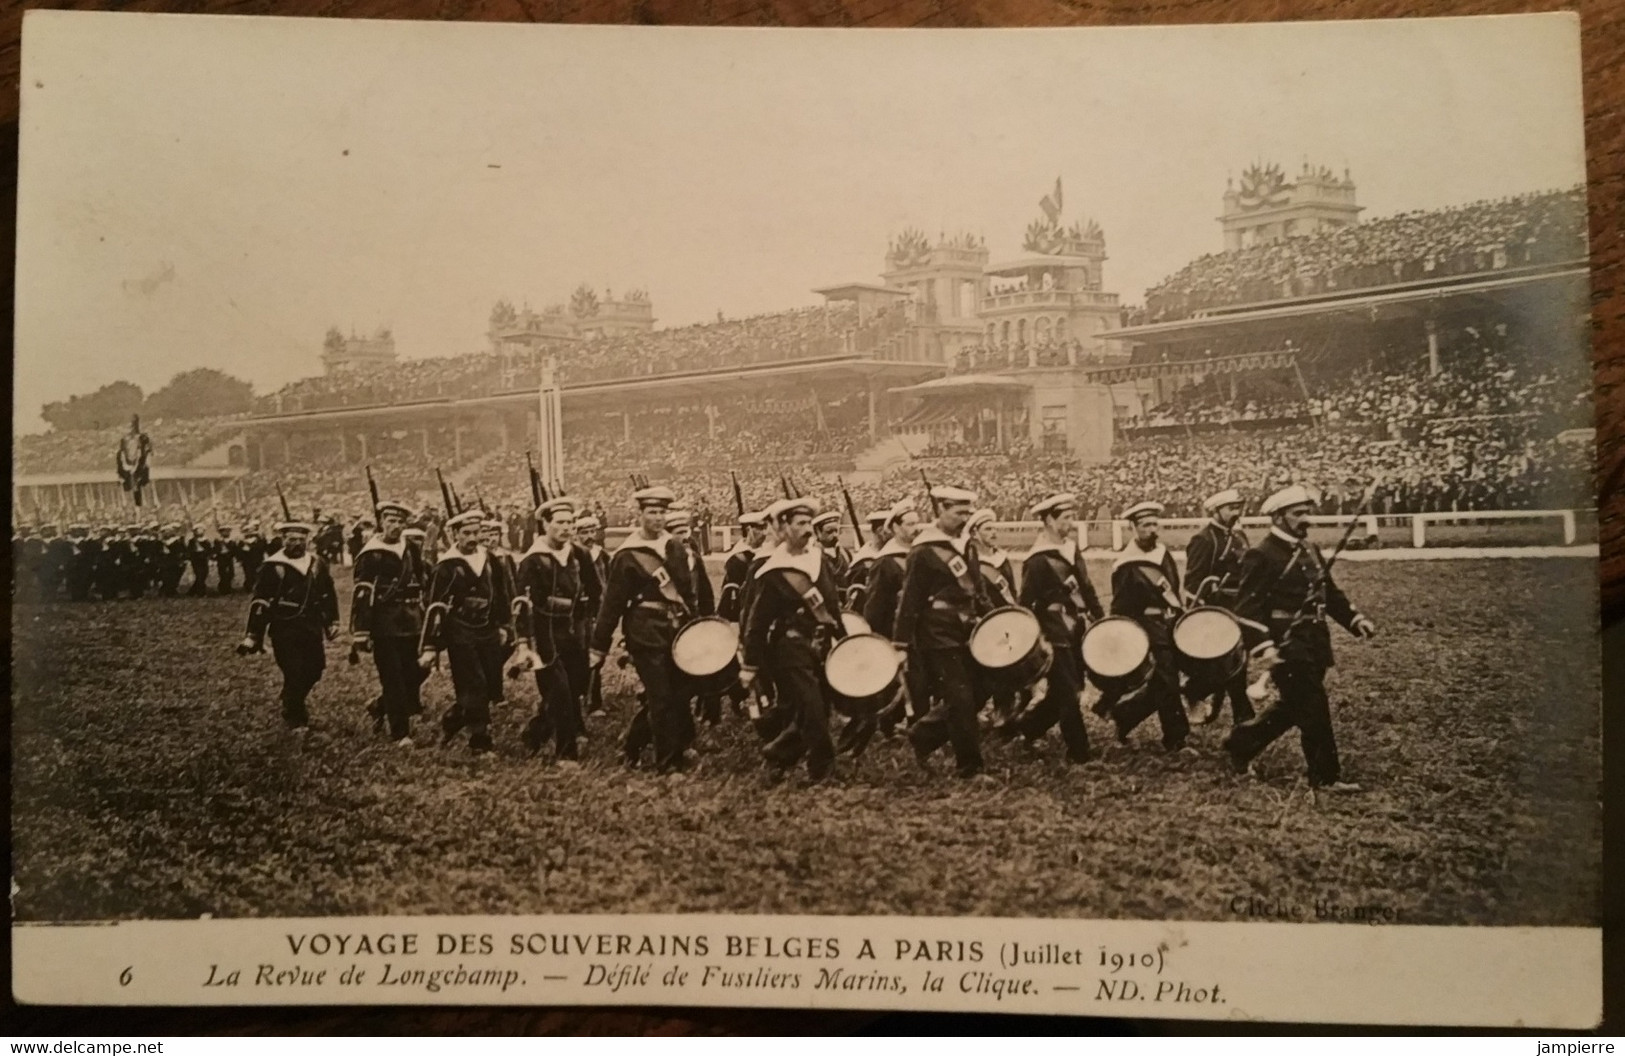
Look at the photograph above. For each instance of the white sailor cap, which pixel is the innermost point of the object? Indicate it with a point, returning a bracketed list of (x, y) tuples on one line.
[(657, 497), (400, 509), (899, 509), (786, 508), (979, 518), (283, 527), (947, 493), (752, 519), (567, 500), (877, 518), (1061, 500), (465, 519), (589, 520), (677, 517), (493, 524), (1227, 497), (828, 516), (1143, 509), (1286, 498), (414, 533), (552, 506)]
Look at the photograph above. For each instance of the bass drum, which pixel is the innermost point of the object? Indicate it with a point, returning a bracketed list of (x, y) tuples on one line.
[(1209, 650), (1009, 648), (1117, 655), (863, 672), (855, 624), (706, 650)]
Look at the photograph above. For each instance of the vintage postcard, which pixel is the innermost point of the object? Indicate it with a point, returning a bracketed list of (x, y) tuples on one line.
[(1048, 521)]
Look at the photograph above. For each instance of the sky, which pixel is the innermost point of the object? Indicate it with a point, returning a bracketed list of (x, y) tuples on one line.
[(218, 191)]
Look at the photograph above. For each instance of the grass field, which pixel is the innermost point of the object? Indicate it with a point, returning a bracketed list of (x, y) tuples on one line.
[(151, 779)]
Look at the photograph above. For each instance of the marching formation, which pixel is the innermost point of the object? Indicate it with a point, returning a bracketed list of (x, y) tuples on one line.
[(920, 633)]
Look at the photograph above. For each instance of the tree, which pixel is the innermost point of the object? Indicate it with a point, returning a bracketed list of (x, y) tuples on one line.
[(108, 406), (201, 393), (583, 302)]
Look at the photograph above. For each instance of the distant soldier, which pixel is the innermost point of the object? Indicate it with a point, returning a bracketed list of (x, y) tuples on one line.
[(171, 560), (1055, 586), (330, 540), (138, 571), (470, 618), (82, 564), (108, 574), (55, 553), (649, 596), (680, 524), (555, 579), (1285, 594), (736, 566), (1146, 588), (1213, 574), (249, 553), (827, 534), (386, 617), (941, 598), (857, 572), (590, 537), (296, 606), (359, 534), (792, 623), (132, 458), (227, 552), (199, 554)]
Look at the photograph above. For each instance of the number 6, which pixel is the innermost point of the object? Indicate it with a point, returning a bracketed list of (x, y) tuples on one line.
[(124, 977)]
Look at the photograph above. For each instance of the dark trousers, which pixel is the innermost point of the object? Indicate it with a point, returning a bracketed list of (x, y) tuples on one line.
[(399, 676), (797, 677), (1161, 695), (1302, 704), (1241, 705), (228, 571), (298, 648), (200, 577), (578, 669), (662, 718), (1059, 706), (557, 713), (474, 664), (952, 718)]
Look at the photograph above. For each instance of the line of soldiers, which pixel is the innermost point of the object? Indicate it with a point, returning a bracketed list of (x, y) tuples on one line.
[(555, 611), (131, 560)]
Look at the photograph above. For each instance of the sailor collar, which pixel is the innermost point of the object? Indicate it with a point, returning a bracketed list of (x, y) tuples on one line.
[(865, 552), (398, 548), (932, 534), (994, 558), (1067, 549), (1286, 537), (657, 545), (742, 547), (810, 562), (1214, 522), (298, 564), (475, 561), (1135, 556), (893, 545)]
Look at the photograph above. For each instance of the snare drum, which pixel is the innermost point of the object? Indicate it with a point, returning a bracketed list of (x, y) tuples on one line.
[(1208, 647), (706, 650), (1117, 655), (1009, 647), (863, 672)]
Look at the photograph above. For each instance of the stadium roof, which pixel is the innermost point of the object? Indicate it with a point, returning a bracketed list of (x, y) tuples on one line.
[(848, 291), (964, 385)]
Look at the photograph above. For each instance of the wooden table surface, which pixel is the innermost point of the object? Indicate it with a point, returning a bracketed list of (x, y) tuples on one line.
[(1603, 28)]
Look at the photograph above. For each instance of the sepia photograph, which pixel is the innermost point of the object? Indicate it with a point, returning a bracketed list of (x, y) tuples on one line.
[(1115, 475)]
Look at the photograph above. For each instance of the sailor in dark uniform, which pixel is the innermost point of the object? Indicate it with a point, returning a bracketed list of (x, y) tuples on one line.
[(1146, 588), (108, 574), (555, 579), (295, 604), (1212, 573), (880, 597), (996, 567), (82, 565), (827, 534), (386, 617), (863, 559), (226, 553), (680, 523), (649, 596), (590, 538), (1055, 586), (199, 554), (58, 559), (494, 538), (470, 617), (1285, 594), (171, 560), (941, 599), (792, 622), (736, 566), (249, 553)]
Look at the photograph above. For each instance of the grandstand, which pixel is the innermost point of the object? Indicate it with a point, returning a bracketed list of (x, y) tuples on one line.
[(1435, 349)]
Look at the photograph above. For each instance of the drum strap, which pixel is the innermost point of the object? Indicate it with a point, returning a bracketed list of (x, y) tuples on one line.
[(654, 568), (812, 599)]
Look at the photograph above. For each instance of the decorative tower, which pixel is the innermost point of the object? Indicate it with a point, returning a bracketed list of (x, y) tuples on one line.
[(1266, 208)]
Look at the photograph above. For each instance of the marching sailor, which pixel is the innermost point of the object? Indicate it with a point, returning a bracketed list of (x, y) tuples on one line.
[(295, 604), (590, 537), (997, 571), (1212, 572), (1055, 586), (736, 567), (880, 597), (493, 538), (1285, 594), (556, 578), (857, 573), (1145, 588), (793, 619), (680, 523), (647, 594), (226, 552), (249, 553), (386, 617), (827, 534), (941, 599), (469, 617)]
